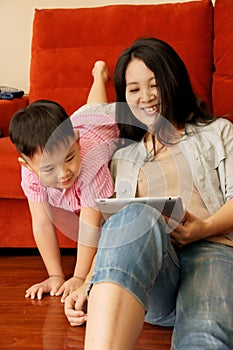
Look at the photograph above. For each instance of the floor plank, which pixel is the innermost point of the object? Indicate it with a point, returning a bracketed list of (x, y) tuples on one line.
[(42, 325)]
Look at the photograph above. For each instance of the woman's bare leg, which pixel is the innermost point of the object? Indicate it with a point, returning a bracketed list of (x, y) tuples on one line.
[(115, 318), (98, 90)]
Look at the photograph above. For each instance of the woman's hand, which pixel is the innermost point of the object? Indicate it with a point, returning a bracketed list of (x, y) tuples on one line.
[(75, 306), (191, 229), (50, 285)]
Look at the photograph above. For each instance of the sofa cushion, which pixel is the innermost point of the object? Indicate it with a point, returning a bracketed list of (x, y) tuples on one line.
[(10, 177), (223, 59), (67, 42)]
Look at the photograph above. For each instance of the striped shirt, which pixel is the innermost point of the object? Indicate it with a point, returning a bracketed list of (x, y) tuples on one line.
[(97, 136)]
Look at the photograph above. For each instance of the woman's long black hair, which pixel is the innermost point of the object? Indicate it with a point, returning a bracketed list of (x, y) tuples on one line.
[(179, 104)]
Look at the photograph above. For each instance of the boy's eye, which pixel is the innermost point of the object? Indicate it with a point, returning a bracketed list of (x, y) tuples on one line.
[(69, 159), (47, 170)]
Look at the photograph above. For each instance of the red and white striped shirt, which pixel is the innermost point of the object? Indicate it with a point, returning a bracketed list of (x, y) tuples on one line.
[(97, 138)]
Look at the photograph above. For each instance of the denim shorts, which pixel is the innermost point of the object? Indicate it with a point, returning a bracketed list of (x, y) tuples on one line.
[(135, 252)]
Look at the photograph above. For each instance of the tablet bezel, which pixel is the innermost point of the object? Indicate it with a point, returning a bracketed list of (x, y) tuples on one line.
[(169, 206)]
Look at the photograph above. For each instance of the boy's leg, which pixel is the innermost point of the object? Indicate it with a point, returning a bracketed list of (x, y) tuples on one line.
[(205, 303), (132, 252), (97, 92)]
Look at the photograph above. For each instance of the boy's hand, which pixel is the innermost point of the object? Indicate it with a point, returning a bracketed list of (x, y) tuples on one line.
[(69, 287), (75, 305), (50, 285)]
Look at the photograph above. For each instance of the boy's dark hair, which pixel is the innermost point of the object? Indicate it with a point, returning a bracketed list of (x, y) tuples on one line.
[(41, 124), (179, 103)]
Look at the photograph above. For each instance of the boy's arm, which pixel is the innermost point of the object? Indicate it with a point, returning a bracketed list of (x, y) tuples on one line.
[(47, 243), (45, 237), (75, 304), (89, 230)]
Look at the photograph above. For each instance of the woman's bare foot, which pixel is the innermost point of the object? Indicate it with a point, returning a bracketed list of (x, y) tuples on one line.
[(100, 70)]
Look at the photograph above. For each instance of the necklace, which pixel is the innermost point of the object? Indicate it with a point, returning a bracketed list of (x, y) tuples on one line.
[(153, 147)]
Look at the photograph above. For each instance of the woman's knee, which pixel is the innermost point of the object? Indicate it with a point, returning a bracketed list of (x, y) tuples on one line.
[(132, 224), (131, 250)]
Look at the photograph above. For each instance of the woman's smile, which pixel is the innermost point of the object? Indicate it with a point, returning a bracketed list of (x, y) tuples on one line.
[(151, 111)]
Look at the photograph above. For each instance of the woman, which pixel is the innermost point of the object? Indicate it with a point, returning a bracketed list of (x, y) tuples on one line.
[(150, 267)]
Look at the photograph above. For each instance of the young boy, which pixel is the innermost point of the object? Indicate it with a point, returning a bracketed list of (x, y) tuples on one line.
[(58, 171)]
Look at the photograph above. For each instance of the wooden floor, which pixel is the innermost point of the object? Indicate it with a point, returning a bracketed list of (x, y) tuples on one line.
[(27, 324)]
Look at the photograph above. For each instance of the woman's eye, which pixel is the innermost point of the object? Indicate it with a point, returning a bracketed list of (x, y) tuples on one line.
[(134, 90)]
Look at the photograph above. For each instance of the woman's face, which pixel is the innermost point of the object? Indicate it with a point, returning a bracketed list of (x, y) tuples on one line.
[(142, 93)]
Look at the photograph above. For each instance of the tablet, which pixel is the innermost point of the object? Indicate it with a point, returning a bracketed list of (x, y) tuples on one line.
[(169, 206)]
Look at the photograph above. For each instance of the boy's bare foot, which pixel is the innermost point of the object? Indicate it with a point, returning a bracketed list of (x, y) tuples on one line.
[(100, 70)]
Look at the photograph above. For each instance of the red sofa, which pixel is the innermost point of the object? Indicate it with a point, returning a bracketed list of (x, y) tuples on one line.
[(67, 42)]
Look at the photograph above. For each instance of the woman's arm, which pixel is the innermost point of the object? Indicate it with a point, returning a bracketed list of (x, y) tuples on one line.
[(193, 229), (221, 222)]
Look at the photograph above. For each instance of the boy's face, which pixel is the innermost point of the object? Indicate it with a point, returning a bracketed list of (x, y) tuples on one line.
[(58, 169)]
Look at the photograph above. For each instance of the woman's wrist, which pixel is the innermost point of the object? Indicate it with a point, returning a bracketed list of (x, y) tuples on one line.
[(209, 227)]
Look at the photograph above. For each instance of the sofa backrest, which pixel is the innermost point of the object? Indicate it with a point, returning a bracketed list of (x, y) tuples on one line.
[(223, 59), (67, 42)]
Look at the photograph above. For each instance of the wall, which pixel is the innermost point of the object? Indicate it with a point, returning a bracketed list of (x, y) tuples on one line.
[(16, 19)]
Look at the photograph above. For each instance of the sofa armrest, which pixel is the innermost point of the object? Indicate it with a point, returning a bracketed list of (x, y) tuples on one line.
[(8, 108)]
